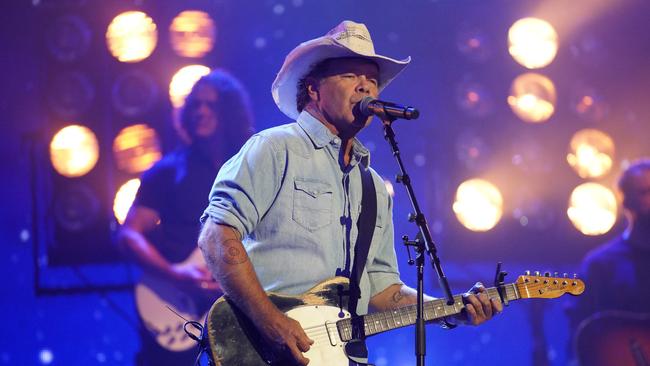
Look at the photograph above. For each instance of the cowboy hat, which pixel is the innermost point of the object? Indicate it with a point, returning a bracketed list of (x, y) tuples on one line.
[(348, 39)]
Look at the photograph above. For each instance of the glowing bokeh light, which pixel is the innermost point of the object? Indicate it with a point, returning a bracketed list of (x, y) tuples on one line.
[(74, 151), (131, 36), (183, 81), (192, 33), (478, 205), (124, 199), (591, 153), (592, 208), (136, 148), (532, 97), (532, 42)]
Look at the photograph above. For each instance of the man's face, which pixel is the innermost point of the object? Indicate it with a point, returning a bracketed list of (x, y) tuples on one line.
[(345, 83), (203, 118), (638, 198)]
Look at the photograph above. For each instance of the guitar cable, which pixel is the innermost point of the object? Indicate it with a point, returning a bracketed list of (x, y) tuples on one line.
[(200, 339)]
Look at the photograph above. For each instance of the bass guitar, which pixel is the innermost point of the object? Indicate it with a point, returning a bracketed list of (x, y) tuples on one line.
[(614, 338), (234, 340), (155, 296)]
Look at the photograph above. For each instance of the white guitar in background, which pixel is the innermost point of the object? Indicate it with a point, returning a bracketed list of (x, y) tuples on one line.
[(155, 296)]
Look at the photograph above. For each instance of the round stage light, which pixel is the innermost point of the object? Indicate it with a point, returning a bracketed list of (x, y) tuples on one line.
[(136, 148), (131, 36), (68, 38), (134, 93), (124, 199), (74, 151), (532, 97), (591, 153), (76, 207), (192, 33), (592, 209), (473, 43), (183, 81), (474, 98), (70, 94), (588, 104), (532, 42), (478, 205)]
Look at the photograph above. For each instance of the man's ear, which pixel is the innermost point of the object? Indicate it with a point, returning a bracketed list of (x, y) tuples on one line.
[(312, 89)]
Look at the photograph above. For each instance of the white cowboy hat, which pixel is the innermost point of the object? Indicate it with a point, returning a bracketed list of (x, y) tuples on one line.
[(348, 39)]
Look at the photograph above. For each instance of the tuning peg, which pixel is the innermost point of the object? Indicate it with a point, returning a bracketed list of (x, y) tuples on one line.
[(547, 274), (536, 273), (565, 275), (555, 274), (527, 272), (575, 276)]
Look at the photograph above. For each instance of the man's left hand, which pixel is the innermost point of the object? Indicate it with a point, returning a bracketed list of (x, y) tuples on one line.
[(478, 307)]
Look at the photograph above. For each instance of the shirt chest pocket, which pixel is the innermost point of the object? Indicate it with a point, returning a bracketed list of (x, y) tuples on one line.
[(312, 203)]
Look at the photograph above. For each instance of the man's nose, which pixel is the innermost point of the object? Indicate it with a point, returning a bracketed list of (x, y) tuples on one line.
[(364, 85)]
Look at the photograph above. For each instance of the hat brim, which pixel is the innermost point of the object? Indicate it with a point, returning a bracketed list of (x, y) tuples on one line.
[(300, 61)]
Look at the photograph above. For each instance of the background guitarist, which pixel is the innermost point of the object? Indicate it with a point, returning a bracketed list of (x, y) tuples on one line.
[(161, 228), (618, 272), (283, 212)]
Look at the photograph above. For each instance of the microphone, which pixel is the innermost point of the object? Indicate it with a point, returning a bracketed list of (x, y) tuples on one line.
[(369, 106)]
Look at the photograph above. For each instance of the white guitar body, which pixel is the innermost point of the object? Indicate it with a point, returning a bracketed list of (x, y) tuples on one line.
[(319, 322), (154, 295)]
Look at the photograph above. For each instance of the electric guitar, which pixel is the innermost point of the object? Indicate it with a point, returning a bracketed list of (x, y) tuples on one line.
[(155, 296), (234, 340), (614, 338)]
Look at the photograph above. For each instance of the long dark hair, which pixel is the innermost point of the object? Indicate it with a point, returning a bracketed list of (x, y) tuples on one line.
[(232, 109)]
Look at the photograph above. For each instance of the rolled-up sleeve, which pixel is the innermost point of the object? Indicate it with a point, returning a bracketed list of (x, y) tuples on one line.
[(246, 186), (383, 270)]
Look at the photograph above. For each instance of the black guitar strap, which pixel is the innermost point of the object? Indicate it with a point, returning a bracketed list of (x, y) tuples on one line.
[(366, 227), (356, 349)]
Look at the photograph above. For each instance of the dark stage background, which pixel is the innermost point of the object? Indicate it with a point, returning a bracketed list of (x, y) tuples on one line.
[(61, 310)]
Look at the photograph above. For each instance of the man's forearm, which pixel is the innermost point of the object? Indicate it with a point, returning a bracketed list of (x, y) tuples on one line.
[(229, 263), (395, 296)]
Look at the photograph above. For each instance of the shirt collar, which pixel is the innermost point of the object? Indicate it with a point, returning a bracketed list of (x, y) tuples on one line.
[(321, 136)]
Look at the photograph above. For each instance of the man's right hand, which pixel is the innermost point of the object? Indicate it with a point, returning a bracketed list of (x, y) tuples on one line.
[(287, 335), (195, 277)]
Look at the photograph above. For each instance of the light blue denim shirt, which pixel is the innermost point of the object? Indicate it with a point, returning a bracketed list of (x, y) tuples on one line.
[(297, 208)]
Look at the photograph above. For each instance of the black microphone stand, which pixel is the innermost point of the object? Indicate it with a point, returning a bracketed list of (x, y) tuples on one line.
[(422, 243)]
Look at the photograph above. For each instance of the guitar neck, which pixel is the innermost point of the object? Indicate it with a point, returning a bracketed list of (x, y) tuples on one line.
[(437, 309)]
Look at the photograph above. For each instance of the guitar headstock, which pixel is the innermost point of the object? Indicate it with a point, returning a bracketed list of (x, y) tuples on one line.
[(547, 287)]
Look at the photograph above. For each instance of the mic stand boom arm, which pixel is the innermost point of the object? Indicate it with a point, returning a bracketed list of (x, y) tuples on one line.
[(422, 243)]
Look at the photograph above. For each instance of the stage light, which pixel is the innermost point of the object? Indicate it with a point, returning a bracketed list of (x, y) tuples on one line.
[(592, 209), (76, 207), (588, 104), (478, 205), (192, 33), (124, 199), (473, 98), (134, 93), (532, 42), (131, 36), (68, 38), (473, 43), (591, 153), (532, 97), (136, 148), (472, 150), (183, 81), (74, 151), (71, 94)]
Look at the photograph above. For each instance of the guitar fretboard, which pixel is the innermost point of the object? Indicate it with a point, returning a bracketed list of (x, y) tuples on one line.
[(384, 321)]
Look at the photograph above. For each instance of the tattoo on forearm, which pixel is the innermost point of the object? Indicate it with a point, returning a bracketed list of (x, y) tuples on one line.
[(397, 297), (232, 253)]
